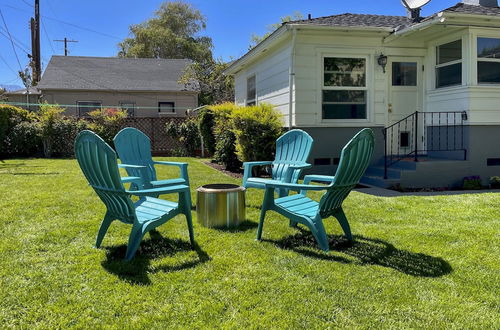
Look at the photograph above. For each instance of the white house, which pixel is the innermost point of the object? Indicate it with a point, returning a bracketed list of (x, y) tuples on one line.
[(430, 85)]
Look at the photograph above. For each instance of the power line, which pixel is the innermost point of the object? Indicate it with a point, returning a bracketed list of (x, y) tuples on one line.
[(15, 42), (47, 36), (7, 64), (11, 41), (27, 3)]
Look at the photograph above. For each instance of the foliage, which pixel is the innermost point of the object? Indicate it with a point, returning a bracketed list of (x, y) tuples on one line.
[(10, 116), (107, 122), (65, 132), (25, 139), (171, 33), (256, 129), (472, 183), (495, 182), (50, 116), (417, 262), (207, 76), (256, 39), (187, 134), (206, 123), (2, 94)]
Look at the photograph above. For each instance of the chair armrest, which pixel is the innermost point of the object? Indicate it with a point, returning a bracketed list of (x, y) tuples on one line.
[(247, 168), (300, 166), (320, 178), (128, 179), (130, 166), (295, 186), (164, 190), (182, 166)]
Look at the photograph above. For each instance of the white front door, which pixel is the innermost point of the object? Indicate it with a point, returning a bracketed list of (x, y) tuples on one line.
[(405, 97)]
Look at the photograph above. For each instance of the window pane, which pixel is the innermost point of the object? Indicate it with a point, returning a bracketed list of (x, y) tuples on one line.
[(129, 107), (488, 72), (449, 75), (168, 107), (251, 88), (344, 104), (344, 72), (85, 107), (449, 52), (344, 111), (488, 47), (404, 74)]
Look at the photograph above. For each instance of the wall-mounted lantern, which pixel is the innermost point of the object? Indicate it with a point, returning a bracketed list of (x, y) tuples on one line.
[(382, 61)]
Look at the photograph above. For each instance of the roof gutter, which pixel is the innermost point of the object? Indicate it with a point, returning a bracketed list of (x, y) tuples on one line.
[(416, 28)]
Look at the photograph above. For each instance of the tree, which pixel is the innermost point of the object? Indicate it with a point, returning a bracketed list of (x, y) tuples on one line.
[(171, 33), (256, 39), (215, 87)]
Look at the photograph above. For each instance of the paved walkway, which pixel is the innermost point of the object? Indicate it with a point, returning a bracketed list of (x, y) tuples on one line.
[(381, 192)]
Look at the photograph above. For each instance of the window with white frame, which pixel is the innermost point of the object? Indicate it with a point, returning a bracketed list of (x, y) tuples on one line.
[(166, 107), (251, 91), (449, 64), (344, 92), (129, 107), (84, 107), (488, 60)]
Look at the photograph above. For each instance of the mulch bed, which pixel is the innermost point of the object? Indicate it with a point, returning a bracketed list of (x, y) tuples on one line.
[(222, 169)]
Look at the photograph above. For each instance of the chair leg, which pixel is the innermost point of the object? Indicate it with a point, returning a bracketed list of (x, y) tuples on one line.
[(268, 200), (108, 219), (187, 211), (318, 230), (261, 223), (133, 241), (292, 224), (342, 219)]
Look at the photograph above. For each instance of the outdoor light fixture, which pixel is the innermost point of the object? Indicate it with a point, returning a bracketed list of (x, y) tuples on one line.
[(382, 61), (464, 115)]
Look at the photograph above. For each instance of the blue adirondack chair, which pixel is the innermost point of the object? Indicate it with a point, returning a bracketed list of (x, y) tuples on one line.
[(299, 208), (99, 164), (134, 148), (292, 150)]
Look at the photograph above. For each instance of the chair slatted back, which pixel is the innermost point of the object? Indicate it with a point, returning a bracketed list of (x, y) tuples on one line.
[(98, 163), (354, 161), (292, 147), (134, 148)]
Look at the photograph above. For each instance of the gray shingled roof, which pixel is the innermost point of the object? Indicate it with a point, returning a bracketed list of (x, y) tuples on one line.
[(462, 8), (360, 20), (111, 73)]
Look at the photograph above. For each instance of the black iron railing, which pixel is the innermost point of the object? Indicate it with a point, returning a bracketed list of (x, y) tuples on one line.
[(425, 134)]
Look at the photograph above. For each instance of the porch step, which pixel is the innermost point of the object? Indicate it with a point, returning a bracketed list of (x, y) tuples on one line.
[(378, 181)]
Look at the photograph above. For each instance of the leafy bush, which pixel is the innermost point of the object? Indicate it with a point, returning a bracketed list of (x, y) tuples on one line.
[(495, 182), (187, 134), (225, 140), (10, 116), (50, 116), (256, 129), (206, 125), (472, 183), (25, 139), (65, 132), (107, 122)]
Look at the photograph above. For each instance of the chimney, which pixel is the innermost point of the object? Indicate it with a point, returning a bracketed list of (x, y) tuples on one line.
[(484, 3)]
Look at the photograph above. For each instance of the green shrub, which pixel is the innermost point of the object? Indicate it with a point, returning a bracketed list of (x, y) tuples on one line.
[(495, 182), (187, 134), (206, 125), (225, 140), (256, 129), (107, 122), (50, 115), (472, 183), (10, 116), (25, 139), (65, 132)]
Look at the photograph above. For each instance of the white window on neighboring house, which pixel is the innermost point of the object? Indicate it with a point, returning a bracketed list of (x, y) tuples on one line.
[(449, 64), (166, 107), (129, 107), (84, 107), (488, 60), (344, 94), (251, 91)]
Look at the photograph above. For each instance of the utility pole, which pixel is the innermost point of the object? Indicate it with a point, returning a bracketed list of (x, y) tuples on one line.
[(66, 45), (36, 65)]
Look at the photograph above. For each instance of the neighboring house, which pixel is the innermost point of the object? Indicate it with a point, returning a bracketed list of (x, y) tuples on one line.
[(146, 87), (28, 97), (333, 75)]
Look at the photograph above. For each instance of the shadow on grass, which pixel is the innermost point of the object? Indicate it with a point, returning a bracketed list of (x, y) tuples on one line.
[(367, 251), (243, 226), (136, 271)]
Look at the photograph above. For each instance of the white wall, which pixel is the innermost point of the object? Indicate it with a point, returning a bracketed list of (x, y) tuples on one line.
[(271, 77)]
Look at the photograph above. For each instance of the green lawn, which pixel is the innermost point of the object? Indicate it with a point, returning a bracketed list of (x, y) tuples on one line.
[(418, 262)]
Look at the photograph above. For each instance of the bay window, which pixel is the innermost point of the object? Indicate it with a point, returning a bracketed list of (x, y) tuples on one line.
[(449, 64), (344, 92), (488, 60)]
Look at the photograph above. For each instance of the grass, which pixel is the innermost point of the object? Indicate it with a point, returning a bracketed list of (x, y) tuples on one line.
[(418, 262)]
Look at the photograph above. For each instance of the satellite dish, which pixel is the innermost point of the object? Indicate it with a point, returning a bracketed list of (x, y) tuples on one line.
[(414, 4)]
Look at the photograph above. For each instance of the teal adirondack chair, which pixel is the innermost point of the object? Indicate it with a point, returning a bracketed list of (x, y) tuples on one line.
[(292, 150), (99, 164), (299, 208), (134, 148)]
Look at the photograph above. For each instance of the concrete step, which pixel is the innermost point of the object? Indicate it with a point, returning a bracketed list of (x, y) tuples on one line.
[(378, 181), (392, 173)]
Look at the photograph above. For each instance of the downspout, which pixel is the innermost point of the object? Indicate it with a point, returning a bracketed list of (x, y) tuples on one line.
[(291, 81)]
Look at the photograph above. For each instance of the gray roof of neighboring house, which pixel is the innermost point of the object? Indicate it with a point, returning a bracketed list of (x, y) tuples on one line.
[(32, 90), (116, 74), (462, 8)]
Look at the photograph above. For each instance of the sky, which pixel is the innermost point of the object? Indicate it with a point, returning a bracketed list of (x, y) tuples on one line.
[(99, 25)]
